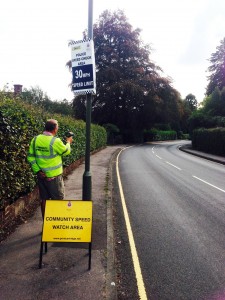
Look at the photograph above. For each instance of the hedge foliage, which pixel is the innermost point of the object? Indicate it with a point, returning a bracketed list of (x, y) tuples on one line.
[(209, 140), (159, 135), (19, 123)]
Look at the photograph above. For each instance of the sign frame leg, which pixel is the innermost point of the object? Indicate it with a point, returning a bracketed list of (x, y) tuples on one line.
[(46, 247), (89, 260), (41, 254)]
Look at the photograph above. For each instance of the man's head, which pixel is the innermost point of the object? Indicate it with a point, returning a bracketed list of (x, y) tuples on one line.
[(51, 126)]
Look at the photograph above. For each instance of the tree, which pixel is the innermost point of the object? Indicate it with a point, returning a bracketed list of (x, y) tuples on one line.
[(212, 110), (130, 91), (214, 104), (190, 102), (123, 70), (189, 106), (217, 69), (36, 96)]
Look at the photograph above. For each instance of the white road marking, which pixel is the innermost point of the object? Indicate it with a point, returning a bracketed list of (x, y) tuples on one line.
[(158, 156), (137, 268), (173, 166), (209, 183)]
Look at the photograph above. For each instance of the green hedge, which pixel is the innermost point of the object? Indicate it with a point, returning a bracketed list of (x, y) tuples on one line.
[(159, 135), (19, 123), (209, 140)]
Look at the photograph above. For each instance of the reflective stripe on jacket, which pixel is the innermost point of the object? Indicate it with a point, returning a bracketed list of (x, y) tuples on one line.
[(45, 153)]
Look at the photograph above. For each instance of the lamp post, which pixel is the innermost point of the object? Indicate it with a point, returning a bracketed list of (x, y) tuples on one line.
[(87, 185)]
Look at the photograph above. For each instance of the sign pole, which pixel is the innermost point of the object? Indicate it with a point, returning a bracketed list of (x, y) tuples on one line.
[(87, 185)]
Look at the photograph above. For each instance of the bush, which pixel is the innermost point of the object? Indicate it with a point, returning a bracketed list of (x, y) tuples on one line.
[(183, 136), (19, 123), (112, 133), (209, 140), (159, 135)]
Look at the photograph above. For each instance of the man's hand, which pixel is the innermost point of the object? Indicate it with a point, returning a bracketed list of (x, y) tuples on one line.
[(69, 139)]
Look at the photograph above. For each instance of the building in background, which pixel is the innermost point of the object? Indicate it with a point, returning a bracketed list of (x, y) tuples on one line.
[(17, 89)]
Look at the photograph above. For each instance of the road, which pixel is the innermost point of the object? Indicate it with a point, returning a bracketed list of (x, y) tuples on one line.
[(176, 209)]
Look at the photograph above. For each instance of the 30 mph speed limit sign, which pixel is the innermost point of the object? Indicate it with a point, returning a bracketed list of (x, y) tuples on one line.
[(83, 67)]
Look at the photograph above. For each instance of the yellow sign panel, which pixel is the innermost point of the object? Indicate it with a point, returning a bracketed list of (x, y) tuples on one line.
[(67, 221)]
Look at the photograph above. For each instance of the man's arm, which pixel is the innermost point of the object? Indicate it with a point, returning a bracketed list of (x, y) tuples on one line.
[(61, 148), (32, 159)]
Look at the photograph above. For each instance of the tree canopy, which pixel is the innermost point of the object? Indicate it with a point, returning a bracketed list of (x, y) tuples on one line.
[(36, 96), (190, 102), (211, 112), (131, 93), (217, 69), (214, 104)]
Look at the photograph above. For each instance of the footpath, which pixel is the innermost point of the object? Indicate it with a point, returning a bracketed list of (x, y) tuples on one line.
[(216, 158), (64, 274)]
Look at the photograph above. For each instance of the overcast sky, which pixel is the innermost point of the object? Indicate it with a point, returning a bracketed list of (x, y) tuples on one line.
[(34, 39)]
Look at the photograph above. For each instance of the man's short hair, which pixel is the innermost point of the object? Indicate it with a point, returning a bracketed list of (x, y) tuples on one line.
[(51, 125)]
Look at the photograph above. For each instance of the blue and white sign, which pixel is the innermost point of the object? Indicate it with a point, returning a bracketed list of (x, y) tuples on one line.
[(83, 67)]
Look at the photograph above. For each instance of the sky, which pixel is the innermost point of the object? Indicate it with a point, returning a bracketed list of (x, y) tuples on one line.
[(34, 39)]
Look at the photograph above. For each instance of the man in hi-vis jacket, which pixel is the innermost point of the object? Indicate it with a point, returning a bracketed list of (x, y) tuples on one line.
[(45, 157)]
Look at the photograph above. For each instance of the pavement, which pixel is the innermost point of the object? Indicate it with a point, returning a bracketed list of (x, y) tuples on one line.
[(216, 158), (64, 274)]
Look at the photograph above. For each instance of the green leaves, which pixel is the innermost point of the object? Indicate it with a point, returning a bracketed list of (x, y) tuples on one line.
[(19, 123), (159, 135), (209, 140), (216, 69), (130, 90)]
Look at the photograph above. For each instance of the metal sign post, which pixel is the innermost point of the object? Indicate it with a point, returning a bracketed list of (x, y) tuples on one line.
[(87, 185), (83, 69)]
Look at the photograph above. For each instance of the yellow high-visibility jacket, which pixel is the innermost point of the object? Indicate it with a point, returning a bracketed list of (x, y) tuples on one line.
[(45, 154)]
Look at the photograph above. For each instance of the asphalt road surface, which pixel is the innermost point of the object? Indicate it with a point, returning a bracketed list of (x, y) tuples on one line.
[(176, 208)]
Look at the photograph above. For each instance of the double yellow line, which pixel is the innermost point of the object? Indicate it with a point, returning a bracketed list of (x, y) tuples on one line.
[(137, 268)]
